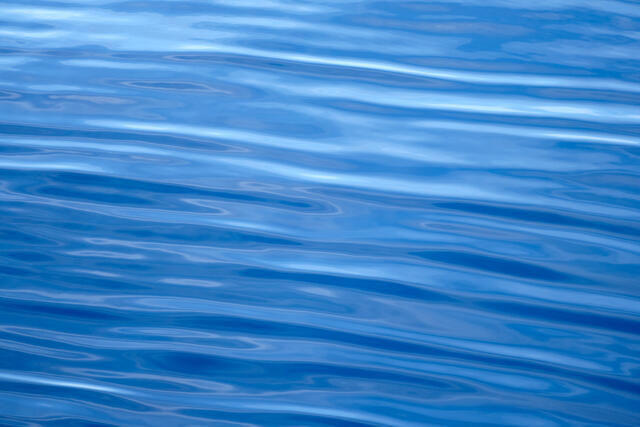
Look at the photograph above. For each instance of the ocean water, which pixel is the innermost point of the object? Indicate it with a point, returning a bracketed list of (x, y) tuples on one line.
[(319, 213)]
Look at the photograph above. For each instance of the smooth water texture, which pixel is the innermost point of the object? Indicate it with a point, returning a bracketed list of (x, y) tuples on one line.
[(319, 213)]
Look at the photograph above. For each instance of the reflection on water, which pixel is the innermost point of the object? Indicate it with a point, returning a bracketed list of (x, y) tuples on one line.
[(355, 213)]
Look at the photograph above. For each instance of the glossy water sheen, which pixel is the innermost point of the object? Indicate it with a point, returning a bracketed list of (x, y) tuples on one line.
[(319, 212)]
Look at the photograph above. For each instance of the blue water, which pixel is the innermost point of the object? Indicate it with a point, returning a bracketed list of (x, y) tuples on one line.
[(319, 213)]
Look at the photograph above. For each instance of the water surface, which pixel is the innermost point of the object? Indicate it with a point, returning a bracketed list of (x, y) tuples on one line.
[(317, 212)]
